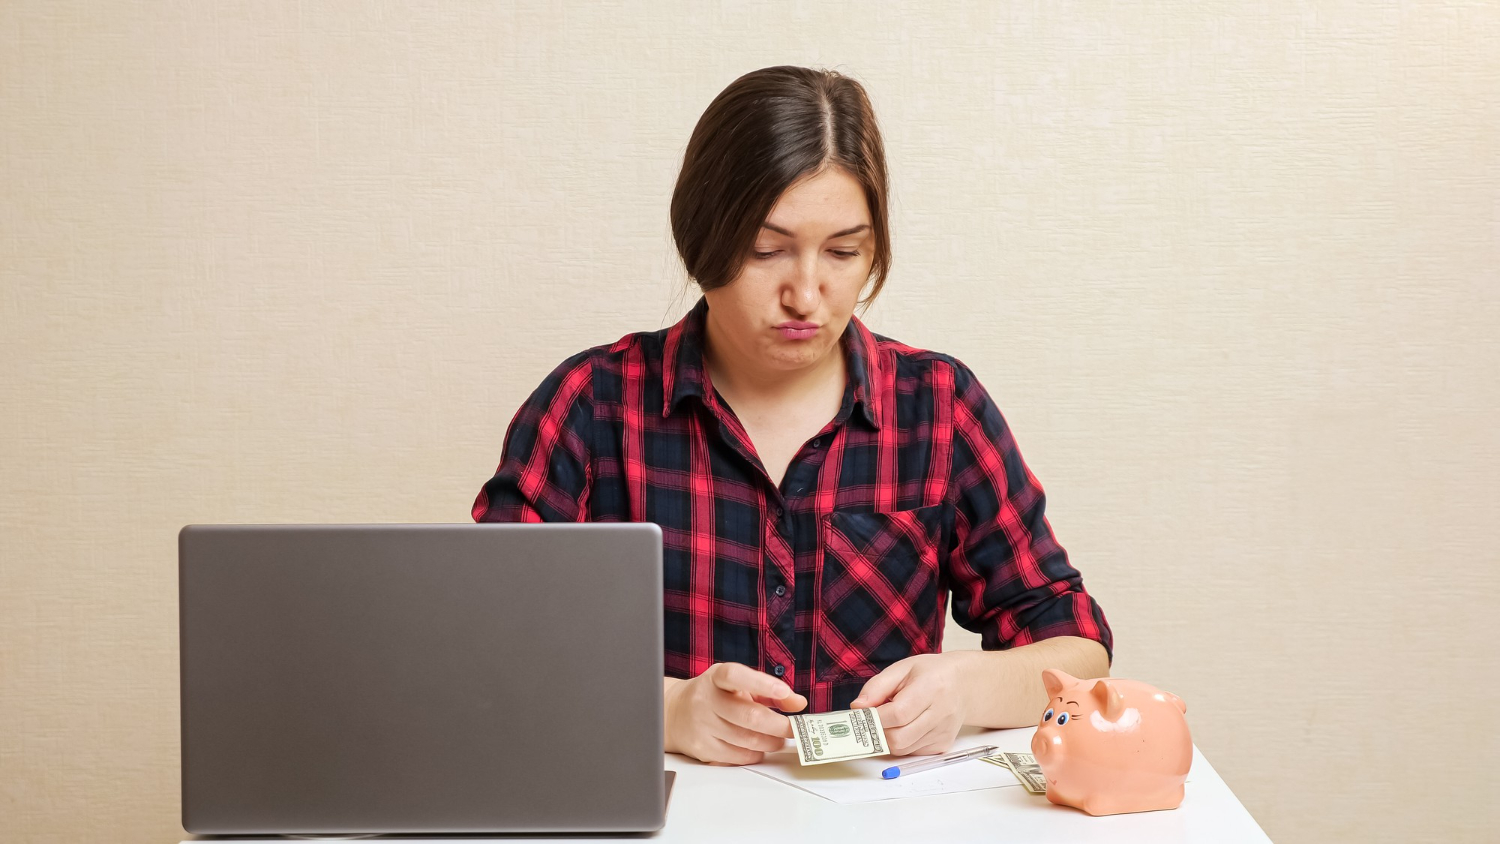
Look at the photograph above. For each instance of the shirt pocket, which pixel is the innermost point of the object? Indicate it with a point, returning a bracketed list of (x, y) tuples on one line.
[(879, 590)]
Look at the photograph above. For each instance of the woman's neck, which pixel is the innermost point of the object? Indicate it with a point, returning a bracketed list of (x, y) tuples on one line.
[(740, 380)]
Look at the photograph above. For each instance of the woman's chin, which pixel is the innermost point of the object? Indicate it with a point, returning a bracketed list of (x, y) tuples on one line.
[(793, 360)]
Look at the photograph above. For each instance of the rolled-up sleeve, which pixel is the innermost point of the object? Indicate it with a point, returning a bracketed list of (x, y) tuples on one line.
[(1012, 582), (545, 466)]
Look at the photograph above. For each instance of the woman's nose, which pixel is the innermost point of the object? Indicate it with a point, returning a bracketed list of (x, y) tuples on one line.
[(802, 289)]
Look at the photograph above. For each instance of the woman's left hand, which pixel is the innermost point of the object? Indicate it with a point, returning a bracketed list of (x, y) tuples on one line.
[(920, 702)]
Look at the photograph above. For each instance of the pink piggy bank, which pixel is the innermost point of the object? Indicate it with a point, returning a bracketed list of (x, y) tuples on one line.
[(1108, 746)]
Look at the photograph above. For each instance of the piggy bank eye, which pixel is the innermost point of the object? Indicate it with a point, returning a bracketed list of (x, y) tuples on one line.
[(1047, 716), (1062, 718)]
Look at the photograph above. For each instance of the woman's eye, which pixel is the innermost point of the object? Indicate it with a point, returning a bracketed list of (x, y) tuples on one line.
[(773, 253), (1047, 716), (1062, 718)]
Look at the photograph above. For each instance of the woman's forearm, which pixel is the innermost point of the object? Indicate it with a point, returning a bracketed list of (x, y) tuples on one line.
[(1003, 689)]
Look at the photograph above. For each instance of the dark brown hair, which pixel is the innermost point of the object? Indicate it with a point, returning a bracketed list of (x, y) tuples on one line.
[(767, 130)]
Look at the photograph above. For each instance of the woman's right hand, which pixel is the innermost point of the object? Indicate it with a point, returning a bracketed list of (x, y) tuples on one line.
[(724, 715)]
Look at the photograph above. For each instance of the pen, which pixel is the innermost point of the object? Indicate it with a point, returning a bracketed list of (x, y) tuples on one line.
[(936, 762)]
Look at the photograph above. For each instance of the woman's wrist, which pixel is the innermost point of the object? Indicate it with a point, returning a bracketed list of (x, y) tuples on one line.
[(968, 672)]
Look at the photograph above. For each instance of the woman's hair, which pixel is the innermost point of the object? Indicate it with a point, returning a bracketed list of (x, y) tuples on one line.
[(767, 130)]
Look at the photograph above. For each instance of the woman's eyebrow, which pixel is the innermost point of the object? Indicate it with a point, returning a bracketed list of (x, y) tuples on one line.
[(855, 230)]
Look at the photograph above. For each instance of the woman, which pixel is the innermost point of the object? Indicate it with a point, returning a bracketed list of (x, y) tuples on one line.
[(820, 489)]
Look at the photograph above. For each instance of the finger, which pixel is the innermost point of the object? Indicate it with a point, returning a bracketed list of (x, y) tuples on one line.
[(795, 703), (881, 688), (904, 709), (753, 716), (734, 677), (738, 736), (904, 740)]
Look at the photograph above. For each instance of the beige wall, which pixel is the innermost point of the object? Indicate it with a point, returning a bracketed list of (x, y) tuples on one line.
[(1229, 268)]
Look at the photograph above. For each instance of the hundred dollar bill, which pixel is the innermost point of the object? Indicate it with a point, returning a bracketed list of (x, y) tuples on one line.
[(838, 736), (1024, 766)]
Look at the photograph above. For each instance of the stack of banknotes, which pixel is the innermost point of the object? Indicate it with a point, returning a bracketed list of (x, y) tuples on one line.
[(1024, 766)]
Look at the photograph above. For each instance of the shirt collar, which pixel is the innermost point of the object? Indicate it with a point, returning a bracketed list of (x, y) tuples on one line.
[(684, 372)]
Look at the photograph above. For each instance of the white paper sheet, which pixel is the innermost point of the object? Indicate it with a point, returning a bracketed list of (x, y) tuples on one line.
[(858, 781)]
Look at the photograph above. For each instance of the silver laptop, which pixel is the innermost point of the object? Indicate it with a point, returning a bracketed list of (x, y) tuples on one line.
[(346, 679)]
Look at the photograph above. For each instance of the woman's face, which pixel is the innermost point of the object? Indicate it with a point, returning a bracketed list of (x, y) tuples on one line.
[(788, 307)]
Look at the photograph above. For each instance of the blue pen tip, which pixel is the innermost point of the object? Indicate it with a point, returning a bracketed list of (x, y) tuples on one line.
[(890, 773)]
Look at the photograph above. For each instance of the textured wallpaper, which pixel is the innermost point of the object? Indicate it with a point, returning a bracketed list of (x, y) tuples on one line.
[(1229, 269)]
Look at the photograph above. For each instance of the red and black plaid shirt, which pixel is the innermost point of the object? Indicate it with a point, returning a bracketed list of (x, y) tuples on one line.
[(915, 489)]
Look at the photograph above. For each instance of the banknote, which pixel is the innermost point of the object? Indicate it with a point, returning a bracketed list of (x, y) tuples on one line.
[(996, 759), (1024, 766), (837, 736)]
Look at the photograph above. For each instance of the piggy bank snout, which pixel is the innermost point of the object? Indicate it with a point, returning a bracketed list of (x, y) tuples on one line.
[(1044, 744)]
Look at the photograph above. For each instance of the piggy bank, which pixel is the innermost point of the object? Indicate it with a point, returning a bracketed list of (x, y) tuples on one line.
[(1108, 746)]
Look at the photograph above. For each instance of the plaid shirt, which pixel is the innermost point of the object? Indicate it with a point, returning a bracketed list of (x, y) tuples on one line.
[(915, 489)]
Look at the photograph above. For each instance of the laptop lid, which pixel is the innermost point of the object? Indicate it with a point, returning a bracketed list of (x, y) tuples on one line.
[(421, 678)]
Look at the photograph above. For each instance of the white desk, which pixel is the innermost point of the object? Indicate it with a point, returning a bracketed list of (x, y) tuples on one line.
[(711, 803)]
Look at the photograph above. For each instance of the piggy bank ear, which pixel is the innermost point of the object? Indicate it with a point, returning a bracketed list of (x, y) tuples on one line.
[(1056, 680), (1108, 698)]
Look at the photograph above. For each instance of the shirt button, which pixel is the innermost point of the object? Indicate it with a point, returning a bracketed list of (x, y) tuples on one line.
[(817, 442), (780, 590), (779, 670)]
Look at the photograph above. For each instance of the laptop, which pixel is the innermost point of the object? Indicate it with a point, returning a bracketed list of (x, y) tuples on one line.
[(421, 678)]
